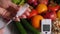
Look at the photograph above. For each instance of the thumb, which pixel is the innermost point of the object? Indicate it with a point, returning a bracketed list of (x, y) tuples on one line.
[(16, 19), (14, 6)]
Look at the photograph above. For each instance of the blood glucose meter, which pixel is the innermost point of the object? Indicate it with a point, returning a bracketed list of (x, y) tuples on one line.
[(46, 26)]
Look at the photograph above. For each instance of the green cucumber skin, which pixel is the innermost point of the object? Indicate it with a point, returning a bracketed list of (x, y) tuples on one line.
[(20, 28), (27, 25)]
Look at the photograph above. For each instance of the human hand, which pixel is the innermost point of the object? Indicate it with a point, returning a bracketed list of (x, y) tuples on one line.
[(24, 15), (1, 31), (9, 15), (7, 3)]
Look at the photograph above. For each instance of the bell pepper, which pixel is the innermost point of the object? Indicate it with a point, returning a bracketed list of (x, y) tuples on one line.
[(53, 7), (32, 13)]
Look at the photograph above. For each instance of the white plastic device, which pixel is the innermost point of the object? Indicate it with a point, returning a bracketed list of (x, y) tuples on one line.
[(46, 25)]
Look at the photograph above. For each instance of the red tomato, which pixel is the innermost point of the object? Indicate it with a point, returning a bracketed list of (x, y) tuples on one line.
[(31, 1), (32, 13), (53, 8), (51, 15)]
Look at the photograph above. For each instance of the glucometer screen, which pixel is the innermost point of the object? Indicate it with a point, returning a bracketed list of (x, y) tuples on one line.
[(46, 27)]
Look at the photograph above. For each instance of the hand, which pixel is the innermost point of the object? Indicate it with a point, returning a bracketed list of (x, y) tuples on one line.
[(10, 10), (4, 13), (1, 31), (7, 3), (24, 15), (9, 15)]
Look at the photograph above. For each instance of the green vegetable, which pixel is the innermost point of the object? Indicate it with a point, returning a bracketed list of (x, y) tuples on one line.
[(29, 27), (16, 1), (21, 2), (20, 28)]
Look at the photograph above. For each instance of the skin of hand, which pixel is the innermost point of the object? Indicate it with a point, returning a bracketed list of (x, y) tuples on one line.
[(6, 3), (8, 15), (16, 19), (9, 9), (2, 31), (5, 13), (24, 15)]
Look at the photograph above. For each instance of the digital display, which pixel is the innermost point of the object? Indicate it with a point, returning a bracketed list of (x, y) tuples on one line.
[(46, 27)]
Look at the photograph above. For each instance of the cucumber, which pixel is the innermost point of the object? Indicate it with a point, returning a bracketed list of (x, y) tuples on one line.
[(20, 28), (29, 27)]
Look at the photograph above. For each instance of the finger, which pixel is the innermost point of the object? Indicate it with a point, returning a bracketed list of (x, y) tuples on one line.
[(1, 10), (24, 16), (4, 13), (16, 19), (27, 13), (20, 16), (28, 9), (14, 6)]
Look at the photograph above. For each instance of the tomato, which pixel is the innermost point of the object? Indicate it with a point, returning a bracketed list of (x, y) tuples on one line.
[(32, 2), (43, 1), (36, 21), (53, 8), (32, 13), (41, 8), (51, 15)]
